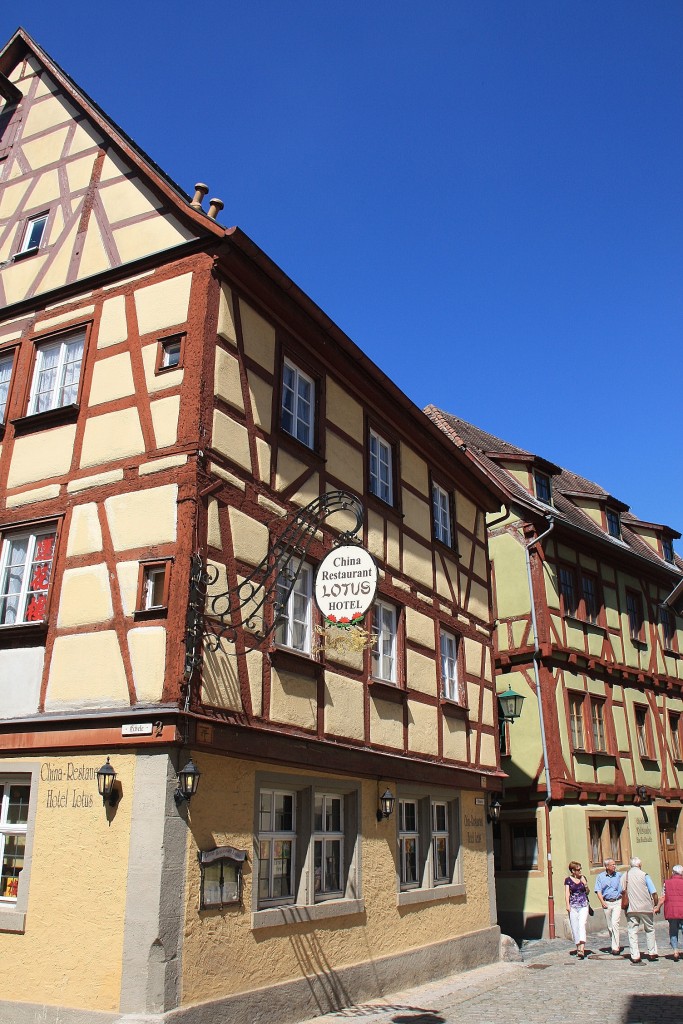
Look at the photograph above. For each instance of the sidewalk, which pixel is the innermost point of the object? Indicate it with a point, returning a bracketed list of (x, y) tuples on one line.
[(549, 986)]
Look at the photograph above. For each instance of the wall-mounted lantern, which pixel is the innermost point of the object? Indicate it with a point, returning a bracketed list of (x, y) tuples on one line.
[(386, 805), (221, 881), (106, 777), (494, 810), (188, 780), (510, 704)]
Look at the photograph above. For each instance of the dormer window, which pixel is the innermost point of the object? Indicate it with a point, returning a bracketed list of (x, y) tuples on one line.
[(613, 523), (543, 489), (668, 549)]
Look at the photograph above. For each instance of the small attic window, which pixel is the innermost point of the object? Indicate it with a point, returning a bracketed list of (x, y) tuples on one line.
[(543, 487), (668, 549), (170, 352), (34, 230), (613, 523)]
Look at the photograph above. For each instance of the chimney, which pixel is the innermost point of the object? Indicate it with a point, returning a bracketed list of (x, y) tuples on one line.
[(215, 207), (200, 190)]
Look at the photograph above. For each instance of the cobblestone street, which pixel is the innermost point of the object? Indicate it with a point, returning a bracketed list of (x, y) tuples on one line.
[(550, 986)]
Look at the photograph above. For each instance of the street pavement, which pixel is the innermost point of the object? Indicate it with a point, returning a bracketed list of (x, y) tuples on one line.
[(549, 986)]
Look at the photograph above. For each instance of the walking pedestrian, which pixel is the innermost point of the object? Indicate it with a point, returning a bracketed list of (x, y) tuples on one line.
[(608, 890), (672, 901), (576, 900), (642, 899)]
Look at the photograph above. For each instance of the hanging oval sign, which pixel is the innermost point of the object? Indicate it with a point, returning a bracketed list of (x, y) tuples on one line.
[(345, 584)]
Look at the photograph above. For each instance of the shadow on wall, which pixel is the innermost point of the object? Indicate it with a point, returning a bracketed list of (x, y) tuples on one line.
[(644, 1009)]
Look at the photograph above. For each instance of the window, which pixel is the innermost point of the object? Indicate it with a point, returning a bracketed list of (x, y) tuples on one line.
[(277, 846), (598, 725), (523, 846), (543, 488), (328, 845), (57, 373), (675, 729), (576, 721), (384, 637), (6, 362), (613, 523), (568, 590), (668, 549), (440, 842), (666, 621), (441, 507), (14, 803), (408, 843), (634, 609), (298, 404), (25, 568), (307, 846), (589, 590), (449, 666), (643, 734), (381, 468), (33, 233), (294, 612), (605, 840), (153, 585), (170, 352)]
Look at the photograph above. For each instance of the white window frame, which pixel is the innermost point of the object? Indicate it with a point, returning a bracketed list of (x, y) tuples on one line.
[(289, 621), (9, 540), (169, 347), (273, 836), (325, 838), (384, 628), (6, 829), (151, 573), (440, 834), (381, 468), (408, 832), (59, 390), (13, 910), (450, 681), (441, 510), (6, 365), (40, 222), (302, 411)]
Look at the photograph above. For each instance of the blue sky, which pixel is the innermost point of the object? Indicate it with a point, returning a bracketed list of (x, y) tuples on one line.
[(484, 194)]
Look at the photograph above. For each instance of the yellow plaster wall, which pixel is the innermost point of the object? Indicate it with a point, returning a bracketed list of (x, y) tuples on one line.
[(142, 518), (386, 723), (213, 530), (512, 590), (127, 573), (455, 739), (163, 304), (113, 327), (85, 596), (344, 706), (414, 469), (422, 676), (417, 562), (420, 628), (86, 906), (227, 379), (220, 681), (33, 459), (85, 534), (344, 462), (147, 647), (261, 398), (422, 728), (293, 699), (158, 381), (165, 413), (249, 537), (86, 670), (343, 410), (417, 514), (231, 439), (112, 378), (259, 337), (223, 812), (111, 436), (226, 316)]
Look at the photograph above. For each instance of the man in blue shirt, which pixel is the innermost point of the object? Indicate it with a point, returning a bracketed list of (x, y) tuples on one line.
[(608, 889)]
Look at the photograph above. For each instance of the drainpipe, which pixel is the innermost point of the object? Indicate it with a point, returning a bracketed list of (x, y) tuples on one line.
[(546, 766)]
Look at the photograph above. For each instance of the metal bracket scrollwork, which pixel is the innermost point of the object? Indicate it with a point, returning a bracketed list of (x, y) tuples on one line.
[(271, 582)]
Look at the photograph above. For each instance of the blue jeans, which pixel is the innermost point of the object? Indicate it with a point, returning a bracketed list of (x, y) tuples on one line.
[(675, 925)]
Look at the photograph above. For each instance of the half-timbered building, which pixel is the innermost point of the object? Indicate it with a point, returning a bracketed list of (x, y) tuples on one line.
[(589, 631), (184, 436)]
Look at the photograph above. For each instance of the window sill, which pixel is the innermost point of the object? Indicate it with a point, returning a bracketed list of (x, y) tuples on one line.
[(574, 620), (31, 633), (386, 691), (276, 917), (27, 253), (409, 897), (12, 921), (668, 652), (43, 420), (641, 645), (143, 614), (295, 661), (652, 761), (452, 709), (447, 549), (383, 508), (299, 449)]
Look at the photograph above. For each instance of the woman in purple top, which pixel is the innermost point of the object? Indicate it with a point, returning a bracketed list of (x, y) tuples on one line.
[(576, 899)]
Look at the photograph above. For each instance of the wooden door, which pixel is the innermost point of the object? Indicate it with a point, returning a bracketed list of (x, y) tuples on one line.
[(668, 846)]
